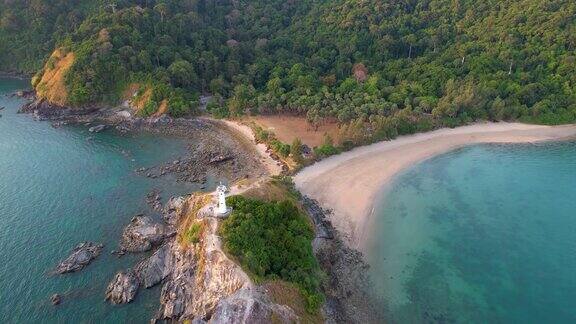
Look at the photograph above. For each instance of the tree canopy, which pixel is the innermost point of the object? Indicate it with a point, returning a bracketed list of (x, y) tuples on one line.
[(397, 66)]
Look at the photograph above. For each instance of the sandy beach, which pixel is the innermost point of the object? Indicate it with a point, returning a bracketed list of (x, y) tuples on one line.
[(245, 132), (348, 183)]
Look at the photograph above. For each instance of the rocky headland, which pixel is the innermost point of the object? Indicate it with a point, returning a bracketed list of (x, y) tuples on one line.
[(199, 281)]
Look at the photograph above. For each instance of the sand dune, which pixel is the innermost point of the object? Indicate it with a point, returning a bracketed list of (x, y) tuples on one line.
[(348, 183)]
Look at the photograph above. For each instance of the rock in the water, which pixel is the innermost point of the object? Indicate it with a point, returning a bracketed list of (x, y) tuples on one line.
[(97, 129), (123, 288), (153, 270), (154, 200), (142, 234), (81, 256), (56, 299)]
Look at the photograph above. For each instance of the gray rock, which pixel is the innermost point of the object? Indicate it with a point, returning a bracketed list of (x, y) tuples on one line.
[(80, 257), (97, 129), (174, 297), (171, 209), (142, 234), (123, 288), (56, 299), (249, 306), (153, 270)]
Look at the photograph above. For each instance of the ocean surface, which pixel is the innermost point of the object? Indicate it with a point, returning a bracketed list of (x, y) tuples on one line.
[(484, 234), (62, 186)]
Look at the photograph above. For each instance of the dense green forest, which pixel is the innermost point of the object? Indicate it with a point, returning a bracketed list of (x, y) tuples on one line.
[(274, 240), (382, 68)]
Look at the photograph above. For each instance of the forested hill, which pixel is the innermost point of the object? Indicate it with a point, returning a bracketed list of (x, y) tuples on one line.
[(397, 65)]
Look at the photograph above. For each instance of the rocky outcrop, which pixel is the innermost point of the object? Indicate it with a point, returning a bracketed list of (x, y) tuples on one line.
[(250, 306), (42, 109), (143, 233), (80, 257), (207, 286), (203, 275), (123, 288), (157, 267), (148, 273), (172, 210)]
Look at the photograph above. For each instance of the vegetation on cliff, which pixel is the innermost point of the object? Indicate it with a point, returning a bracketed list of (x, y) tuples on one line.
[(381, 68), (273, 240)]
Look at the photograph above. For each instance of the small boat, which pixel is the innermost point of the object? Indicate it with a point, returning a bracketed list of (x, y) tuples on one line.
[(2, 108)]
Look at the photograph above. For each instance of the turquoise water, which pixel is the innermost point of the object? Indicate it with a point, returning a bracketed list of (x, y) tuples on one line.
[(485, 234), (61, 186)]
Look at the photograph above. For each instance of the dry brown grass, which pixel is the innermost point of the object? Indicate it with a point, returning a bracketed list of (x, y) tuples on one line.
[(130, 91), (162, 108), (52, 85), (287, 128), (190, 211), (285, 293), (139, 102), (268, 191)]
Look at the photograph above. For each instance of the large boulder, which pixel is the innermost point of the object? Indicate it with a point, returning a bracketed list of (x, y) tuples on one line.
[(143, 233), (149, 272), (123, 288), (80, 257), (157, 267)]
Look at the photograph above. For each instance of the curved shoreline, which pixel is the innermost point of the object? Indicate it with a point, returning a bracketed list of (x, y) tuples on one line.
[(350, 182)]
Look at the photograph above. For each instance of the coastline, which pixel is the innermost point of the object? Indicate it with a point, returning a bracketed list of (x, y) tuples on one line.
[(350, 182)]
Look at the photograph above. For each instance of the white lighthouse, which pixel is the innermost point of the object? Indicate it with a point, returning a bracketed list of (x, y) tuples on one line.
[(221, 209)]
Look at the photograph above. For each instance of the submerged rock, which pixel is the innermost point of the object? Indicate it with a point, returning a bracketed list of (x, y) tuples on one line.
[(123, 288), (56, 299), (97, 129), (80, 257), (154, 200), (142, 234)]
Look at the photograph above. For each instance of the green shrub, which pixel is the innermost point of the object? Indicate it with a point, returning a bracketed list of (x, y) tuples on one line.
[(192, 235), (274, 240)]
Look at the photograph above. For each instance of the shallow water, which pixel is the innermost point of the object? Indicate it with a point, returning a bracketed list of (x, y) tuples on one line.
[(485, 234), (61, 186)]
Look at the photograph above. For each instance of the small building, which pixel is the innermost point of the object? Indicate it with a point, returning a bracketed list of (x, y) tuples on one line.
[(221, 209)]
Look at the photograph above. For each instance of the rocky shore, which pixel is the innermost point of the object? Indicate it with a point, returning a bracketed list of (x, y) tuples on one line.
[(213, 150), (347, 285), (200, 283)]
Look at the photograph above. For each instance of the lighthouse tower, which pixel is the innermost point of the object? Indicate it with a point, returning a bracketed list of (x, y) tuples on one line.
[(221, 209)]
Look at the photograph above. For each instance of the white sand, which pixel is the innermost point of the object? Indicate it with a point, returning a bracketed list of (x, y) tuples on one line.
[(348, 183), (244, 131)]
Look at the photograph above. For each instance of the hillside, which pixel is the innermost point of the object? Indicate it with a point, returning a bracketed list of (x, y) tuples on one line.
[(380, 68)]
